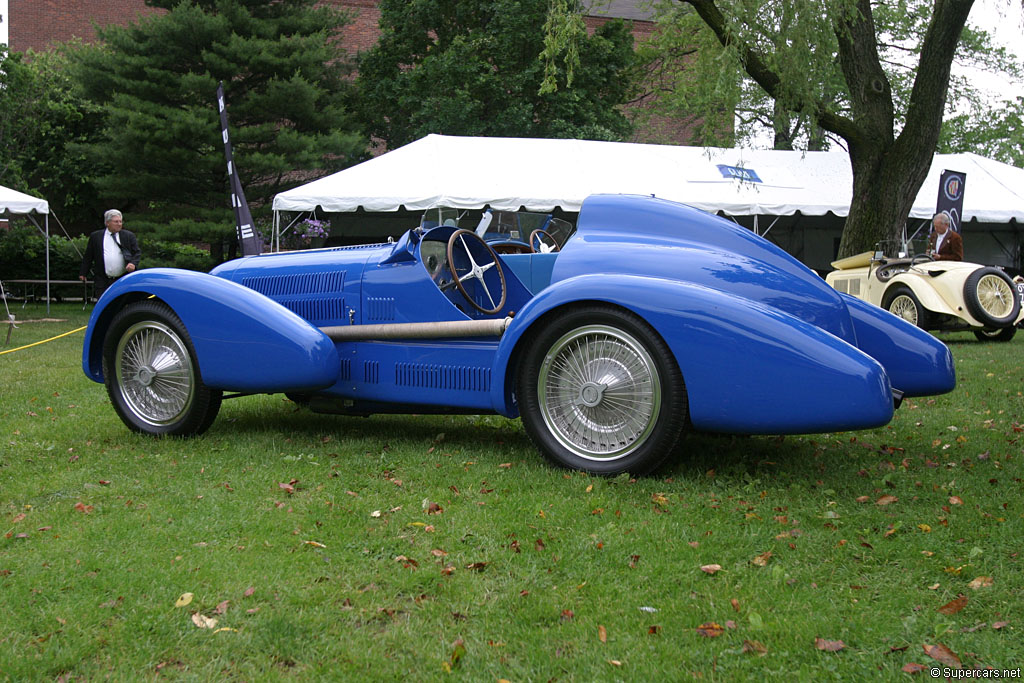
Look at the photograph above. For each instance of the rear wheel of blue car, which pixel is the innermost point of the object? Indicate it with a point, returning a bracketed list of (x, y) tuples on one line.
[(151, 373), (599, 390)]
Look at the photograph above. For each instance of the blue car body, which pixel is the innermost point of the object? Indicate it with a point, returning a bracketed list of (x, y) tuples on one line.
[(762, 344)]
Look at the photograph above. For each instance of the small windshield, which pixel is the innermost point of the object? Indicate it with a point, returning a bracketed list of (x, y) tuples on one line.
[(500, 226), (901, 249)]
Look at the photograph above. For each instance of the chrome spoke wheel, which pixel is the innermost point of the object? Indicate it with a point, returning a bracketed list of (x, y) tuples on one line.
[(154, 373), (904, 307), (599, 392), (995, 296)]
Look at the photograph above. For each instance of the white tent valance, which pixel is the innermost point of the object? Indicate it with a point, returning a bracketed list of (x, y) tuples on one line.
[(12, 201), (542, 174)]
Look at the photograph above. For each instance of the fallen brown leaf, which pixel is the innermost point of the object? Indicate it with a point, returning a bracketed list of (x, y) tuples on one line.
[(886, 500), (981, 582), (753, 647), (711, 568), (943, 654), (762, 559), (602, 634), (829, 645), (913, 668), (710, 630), (203, 621), (954, 606)]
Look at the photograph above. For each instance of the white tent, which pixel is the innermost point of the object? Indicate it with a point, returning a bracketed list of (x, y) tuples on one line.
[(542, 174), (14, 202)]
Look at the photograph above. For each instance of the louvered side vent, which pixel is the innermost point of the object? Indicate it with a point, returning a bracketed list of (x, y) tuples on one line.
[(854, 287), (371, 372), (380, 308), (317, 310), (457, 377), (297, 283), (345, 372), (843, 286)]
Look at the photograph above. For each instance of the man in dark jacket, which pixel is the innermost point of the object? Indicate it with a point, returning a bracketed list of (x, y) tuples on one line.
[(113, 251), (945, 244)]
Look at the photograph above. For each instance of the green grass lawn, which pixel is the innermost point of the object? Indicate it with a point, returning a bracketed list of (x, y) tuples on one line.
[(330, 547)]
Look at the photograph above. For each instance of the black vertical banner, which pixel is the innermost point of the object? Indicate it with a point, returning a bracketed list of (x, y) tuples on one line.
[(951, 196), (248, 242)]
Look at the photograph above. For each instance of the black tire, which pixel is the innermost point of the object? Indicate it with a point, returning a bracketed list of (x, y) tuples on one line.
[(565, 412), (903, 303), (991, 297), (1003, 335), (151, 373)]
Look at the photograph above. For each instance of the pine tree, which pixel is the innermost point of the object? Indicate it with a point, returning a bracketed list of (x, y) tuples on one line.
[(161, 157)]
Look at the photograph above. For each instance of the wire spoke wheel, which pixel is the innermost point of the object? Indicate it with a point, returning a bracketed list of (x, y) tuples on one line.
[(151, 373), (155, 373), (904, 307), (995, 296), (599, 392)]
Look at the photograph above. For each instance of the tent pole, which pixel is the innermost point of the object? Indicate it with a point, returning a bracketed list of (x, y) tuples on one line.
[(275, 240), (47, 220)]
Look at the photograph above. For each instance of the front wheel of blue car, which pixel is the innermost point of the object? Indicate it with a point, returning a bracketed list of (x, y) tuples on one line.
[(151, 373), (599, 390)]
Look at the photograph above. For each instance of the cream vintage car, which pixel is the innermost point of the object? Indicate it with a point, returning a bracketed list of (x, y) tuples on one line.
[(934, 295)]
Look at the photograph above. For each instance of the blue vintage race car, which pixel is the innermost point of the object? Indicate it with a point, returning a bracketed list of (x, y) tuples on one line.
[(652, 319)]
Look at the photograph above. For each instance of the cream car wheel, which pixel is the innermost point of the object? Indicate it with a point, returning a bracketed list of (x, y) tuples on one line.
[(991, 298), (900, 301)]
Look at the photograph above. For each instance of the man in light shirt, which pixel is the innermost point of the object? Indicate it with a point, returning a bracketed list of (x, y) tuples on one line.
[(945, 244), (113, 251)]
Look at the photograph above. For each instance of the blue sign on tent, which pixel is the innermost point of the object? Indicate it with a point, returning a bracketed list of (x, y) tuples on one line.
[(739, 173)]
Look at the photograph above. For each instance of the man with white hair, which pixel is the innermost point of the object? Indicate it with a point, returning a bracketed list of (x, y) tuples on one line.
[(114, 251), (945, 244)]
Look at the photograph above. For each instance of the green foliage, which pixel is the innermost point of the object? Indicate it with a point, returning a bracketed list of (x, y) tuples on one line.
[(999, 135), (472, 68), (161, 156), (42, 120), (799, 42), (23, 255)]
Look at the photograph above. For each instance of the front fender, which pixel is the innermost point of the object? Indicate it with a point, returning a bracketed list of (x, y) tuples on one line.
[(748, 368), (927, 295), (243, 340)]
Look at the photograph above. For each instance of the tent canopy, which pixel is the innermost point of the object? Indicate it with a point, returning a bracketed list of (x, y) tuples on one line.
[(542, 174), (12, 201)]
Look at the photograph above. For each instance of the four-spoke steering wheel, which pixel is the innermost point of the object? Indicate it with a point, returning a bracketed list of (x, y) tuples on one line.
[(470, 257), (542, 242)]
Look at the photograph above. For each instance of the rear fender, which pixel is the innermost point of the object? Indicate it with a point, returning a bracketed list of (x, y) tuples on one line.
[(917, 363), (243, 340), (748, 368)]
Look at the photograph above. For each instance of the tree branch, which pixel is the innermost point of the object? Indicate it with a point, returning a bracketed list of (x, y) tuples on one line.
[(763, 75)]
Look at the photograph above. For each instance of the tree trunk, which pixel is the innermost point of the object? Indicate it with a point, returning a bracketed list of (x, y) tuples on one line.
[(887, 170), (884, 188)]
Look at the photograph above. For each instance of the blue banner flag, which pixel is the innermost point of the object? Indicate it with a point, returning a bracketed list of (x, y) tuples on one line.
[(951, 196)]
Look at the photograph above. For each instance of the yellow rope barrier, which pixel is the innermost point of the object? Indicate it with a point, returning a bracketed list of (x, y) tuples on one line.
[(28, 346)]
